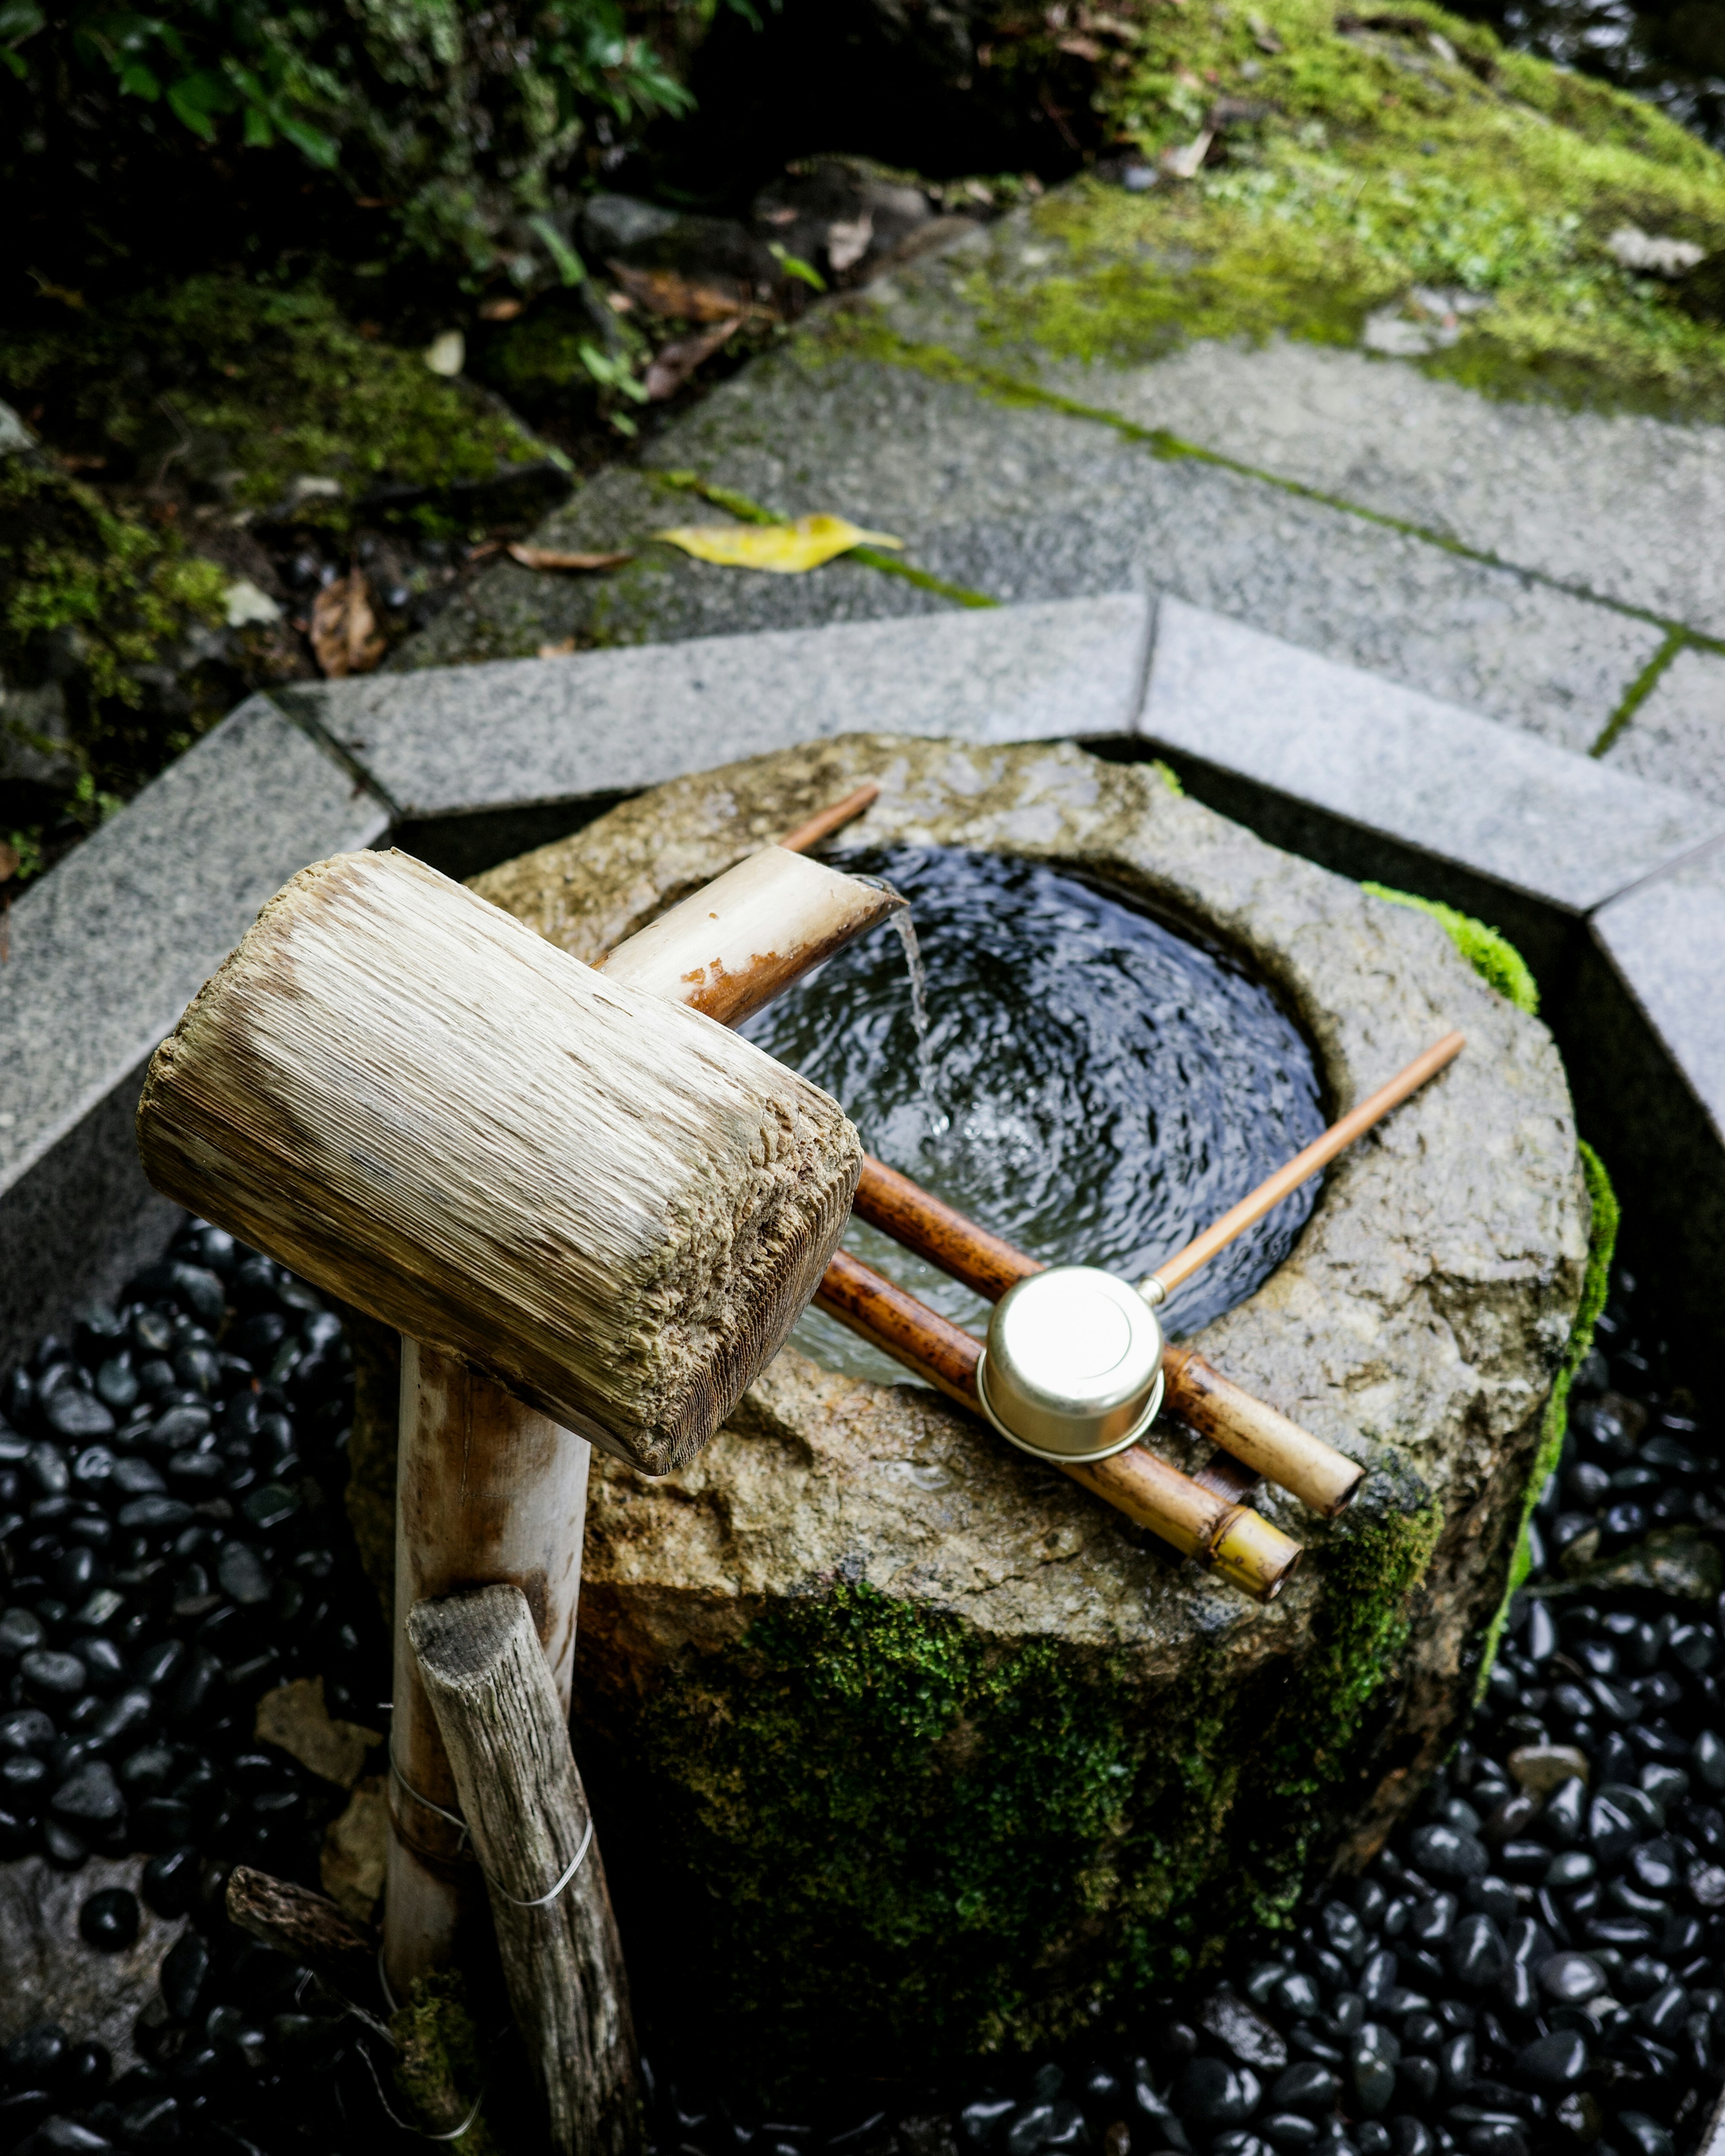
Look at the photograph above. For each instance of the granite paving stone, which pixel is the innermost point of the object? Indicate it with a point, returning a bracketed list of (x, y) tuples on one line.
[(1665, 939), (1562, 828), (1607, 503), (601, 722), (1024, 504), (1677, 737), (106, 950)]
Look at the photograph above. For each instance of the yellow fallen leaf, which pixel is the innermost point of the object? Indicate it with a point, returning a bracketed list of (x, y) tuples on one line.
[(788, 549)]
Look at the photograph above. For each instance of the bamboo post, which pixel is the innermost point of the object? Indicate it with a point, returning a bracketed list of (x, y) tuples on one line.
[(486, 1491), (505, 1724)]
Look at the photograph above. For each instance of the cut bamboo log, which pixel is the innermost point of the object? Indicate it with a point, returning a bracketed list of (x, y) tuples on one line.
[(505, 1733), (1220, 1533), (487, 1491), (742, 940), (1254, 1438), (418, 1104)]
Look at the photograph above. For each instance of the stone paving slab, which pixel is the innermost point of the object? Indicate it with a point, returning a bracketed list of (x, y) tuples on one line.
[(603, 722), (1607, 503), (511, 613), (1678, 735), (1025, 505), (107, 950), (1665, 939), (1560, 827)]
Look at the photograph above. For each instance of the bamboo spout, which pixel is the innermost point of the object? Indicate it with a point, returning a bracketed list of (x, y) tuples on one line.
[(1220, 1533)]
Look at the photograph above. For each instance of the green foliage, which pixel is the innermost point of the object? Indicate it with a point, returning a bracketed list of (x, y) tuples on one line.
[(1491, 955), (1380, 165), (114, 588), (254, 390), (462, 122)]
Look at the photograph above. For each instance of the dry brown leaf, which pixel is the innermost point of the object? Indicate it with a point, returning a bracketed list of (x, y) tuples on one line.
[(1080, 48), (8, 862), (557, 557), (563, 649), (673, 364), (690, 299), (345, 635), (501, 311)]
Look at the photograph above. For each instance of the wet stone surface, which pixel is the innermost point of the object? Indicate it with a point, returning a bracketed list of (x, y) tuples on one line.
[(1532, 1963)]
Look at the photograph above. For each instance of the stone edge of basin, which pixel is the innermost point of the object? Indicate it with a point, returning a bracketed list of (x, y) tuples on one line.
[(1612, 885)]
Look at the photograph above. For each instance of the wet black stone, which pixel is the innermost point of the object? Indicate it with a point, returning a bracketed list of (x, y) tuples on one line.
[(109, 1920), (269, 1506), (170, 1881), (1553, 2063), (1476, 1952), (199, 1690), (134, 1477), (160, 1665), (1416, 2080), (243, 1574), (1707, 1757), (1288, 2130), (201, 1292), (1410, 2137), (46, 1471), (90, 1800), (154, 1515), (73, 1413), (1616, 1821), (161, 1823), (53, 1677), (152, 2122), (1442, 1852), (103, 1662), (184, 1972), (1215, 2094), (85, 2071), (1644, 2135), (1307, 2087), (20, 1630), (1298, 1996), (1663, 2014), (1344, 1933), (123, 1719), (20, 2112)]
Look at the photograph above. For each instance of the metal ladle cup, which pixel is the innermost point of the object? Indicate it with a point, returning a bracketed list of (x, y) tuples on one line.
[(1072, 1370)]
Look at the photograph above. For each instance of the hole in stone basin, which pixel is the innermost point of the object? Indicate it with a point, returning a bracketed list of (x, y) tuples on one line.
[(1106, 1083)]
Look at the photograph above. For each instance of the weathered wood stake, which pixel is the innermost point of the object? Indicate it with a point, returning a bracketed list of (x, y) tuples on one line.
[(505, 1733)]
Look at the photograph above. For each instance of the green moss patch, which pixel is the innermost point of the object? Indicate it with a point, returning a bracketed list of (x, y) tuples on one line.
[(1380, 155), (981, 1848), (250, 392), (1491, 955)]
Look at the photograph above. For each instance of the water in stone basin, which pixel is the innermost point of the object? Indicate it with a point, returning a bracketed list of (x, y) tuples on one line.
[(1096, 1085)]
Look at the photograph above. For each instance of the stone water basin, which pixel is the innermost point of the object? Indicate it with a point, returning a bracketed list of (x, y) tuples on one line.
[(906, 1747)]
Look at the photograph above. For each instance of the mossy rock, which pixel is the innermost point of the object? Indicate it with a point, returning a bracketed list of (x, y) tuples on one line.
[(907, 1748)]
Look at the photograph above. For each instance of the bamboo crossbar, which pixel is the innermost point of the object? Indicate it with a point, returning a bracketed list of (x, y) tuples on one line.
[(1248, 1430), (825, 821), (1220, 1533)]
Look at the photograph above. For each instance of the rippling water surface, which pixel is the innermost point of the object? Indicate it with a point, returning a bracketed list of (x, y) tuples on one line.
[(1103, 1085)]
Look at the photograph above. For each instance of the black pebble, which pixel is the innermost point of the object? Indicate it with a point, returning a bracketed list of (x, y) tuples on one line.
[(75, 1414), (1477, 1954), (89, 1799), (170, 1882), (1216, 2094), (1442, 1852), (1553, 2063), (35, 2059), (183, 1975), (109, 1920), (52, 1676)]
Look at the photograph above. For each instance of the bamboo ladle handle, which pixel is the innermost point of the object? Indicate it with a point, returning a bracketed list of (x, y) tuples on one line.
[(1223, 1535), (1157, 1286)]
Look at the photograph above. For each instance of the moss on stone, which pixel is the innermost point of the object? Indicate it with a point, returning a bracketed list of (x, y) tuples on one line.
[(254, 388), (439, 2068), (1378, 164), (872, 1800), (1602, 1245), (1491, 953)]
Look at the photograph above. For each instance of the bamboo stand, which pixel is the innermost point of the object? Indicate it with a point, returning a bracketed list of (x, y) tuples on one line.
[(487, 1490)]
